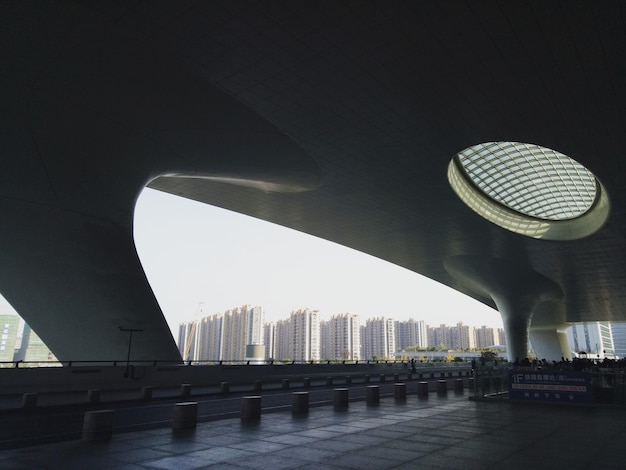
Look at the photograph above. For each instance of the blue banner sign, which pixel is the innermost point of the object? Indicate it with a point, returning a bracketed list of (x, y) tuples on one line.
[(561, 386)]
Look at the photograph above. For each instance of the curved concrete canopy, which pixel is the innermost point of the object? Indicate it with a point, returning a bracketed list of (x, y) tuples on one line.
[(334, 118)]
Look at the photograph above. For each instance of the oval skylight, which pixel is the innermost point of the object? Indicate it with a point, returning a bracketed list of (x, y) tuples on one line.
[(529, 189)]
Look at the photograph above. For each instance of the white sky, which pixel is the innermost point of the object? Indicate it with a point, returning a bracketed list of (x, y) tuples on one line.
[(194, 253)]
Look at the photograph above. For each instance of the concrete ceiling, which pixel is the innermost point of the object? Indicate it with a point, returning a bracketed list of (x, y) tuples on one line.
[(336, 118)]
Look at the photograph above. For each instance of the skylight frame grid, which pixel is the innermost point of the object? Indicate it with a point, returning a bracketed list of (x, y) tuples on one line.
[(541, 182)]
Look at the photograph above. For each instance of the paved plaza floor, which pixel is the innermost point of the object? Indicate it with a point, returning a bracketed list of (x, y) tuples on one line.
[(438, 432)]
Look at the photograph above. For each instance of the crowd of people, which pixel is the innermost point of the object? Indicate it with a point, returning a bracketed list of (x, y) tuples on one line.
[(576, 364)]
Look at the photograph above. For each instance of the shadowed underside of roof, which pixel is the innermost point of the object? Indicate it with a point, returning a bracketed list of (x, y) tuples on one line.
[(338, 119)]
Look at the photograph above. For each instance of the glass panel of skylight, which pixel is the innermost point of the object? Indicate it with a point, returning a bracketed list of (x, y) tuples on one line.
[(532, 180)]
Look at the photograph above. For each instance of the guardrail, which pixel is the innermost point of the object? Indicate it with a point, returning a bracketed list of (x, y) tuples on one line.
[(125, 363)]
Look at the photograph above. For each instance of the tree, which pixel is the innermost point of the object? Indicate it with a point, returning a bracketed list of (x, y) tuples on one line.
[(488, 355)]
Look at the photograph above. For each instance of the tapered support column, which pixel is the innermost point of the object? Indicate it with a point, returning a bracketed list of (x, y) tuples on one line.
[(516, 289), (516, 315)]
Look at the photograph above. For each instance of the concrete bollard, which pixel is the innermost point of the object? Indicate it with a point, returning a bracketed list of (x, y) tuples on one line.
[(458, 385), (98, 425), (471, 384), (307, 382), (225, 387), (258, 386), (372, 395), (185, 390), (442, 388), (93, 396), (329, 381), (422, 389), (29, 400), (399, 391), (340, 398), (146, 393), (185, 415), (250, 408), (348, 380), (285, 384), (381, 378), (300, 403), (396, 377), (367, 378)]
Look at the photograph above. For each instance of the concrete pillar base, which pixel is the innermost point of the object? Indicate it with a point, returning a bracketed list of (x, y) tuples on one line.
[(250, 408), (146, 393), (422, 389), (93, 396), (224, 387), (348, 380), (372, 397), (185, 415), (458, 386), (285, 384), (185, 390), (300, 403), (29, 400), (442, 388), (341, 398), (258, 386), (307, 382), (399, 391), (98, 425)]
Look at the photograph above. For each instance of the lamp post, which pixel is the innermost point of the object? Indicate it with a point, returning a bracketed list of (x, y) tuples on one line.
[(130, 342)]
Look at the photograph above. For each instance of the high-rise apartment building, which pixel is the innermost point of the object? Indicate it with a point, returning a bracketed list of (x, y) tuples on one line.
[(487, 337), (255, 319), (298, 337), (501, 337), (305, 329), (619, 338), (9, 325), (209, 336), (222, 336), (341, 338), (326, 348), (33, 349), (462, 337), (185, 330), (594, 339), (439, 336), (380, 338), (284, 340), (411, 333), (269, 340)]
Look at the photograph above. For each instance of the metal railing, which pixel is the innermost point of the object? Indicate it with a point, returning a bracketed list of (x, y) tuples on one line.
[(124, 363), (491, 381)]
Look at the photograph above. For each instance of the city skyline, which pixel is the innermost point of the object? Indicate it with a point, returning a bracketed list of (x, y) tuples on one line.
[(304, 337)]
